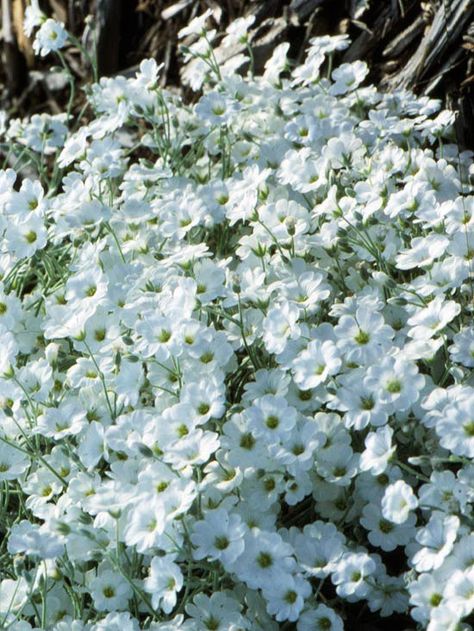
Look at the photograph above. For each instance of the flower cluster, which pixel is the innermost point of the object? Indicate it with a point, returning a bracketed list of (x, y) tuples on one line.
[(237, 348)]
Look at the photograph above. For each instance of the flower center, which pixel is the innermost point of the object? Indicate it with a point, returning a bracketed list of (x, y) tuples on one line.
[(221, 543), (247, 441), (108, 591), (31, 236), (362, 337), (290, 597), (435, 600), (204, 408), (394, 386), (272, 422), (264, 560), (469, 429)]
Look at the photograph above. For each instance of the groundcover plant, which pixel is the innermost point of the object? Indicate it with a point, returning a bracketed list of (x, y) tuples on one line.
[(236, 353)]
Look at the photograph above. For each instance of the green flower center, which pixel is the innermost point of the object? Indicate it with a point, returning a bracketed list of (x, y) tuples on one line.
[(204, 408), (31, 236), (385, 526), (264, 560), (435, 600), (362, 337), (108, 591), (221, 543), (247, 441), (469, 429), (394, 386), (272, 422), (164, 336)]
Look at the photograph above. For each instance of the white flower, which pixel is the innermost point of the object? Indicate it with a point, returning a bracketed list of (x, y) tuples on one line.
[(446, 617), (13, 462), (146, 526), (423, 251), (426, 593), (51, 37), (437, 539), (395, 382), (34, 17), (378, 451), (462, 350), (277, 63), (33, 540), (219, 536), (460, 591), (315, 364), (237, 31), (271, 418), (163, 583), (350, 574), (13, 595), (114, 621), (318, 548), (219, 610), (431, 319), (348, 77), (265, 561), (279, 325), (196, 26), (321, 617), (110, 591), (217, 109), (359, 402), (364, 337), (384, 533), (285, 600), (456, 427), (398, 501)]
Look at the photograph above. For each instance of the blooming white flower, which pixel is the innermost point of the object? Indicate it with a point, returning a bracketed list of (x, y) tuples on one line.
[(384, 533), (396, 382), (13, 595), (218, 610), (265, 561), (163, 583), (30, 539), (277, 63), (433, 318), (196, 26), (219, 536), (423, 251), (456, 427), (426, 593), (350, 574), (50, 37), (321, 617), (364, 337), (237, 31), (279, 325), (462, 349), (34, 17), (315, 364), (378, 451), (271, 418), (398, 501), (437, 539), (348, 77), (110, 591), (13, 462)]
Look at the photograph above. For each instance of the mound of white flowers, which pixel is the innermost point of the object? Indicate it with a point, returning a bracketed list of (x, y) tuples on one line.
[(236, 357)]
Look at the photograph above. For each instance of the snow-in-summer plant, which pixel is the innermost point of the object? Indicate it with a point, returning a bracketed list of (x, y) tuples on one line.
[(237, 344)]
